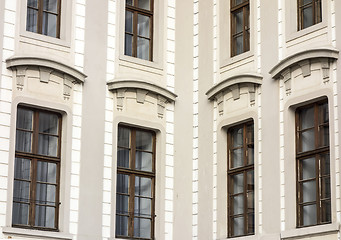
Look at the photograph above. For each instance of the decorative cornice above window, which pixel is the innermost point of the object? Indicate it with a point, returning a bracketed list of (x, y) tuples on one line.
[(231, 83), (46, 66), (302, 60)]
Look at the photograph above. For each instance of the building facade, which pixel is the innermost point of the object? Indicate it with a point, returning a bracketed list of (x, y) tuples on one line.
[(174, 119)]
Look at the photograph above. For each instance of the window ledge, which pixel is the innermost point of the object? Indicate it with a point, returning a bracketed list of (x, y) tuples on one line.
[(298, 34), (23, 61), (254, 78), (310, 231), (325, 52), (137, 84), (36, 233), (237, 58), (139, 63)]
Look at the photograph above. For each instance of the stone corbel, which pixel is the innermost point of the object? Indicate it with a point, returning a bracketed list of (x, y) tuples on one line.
[(141, 95), (68, 84), (161, 104), (45, 74), (220, 102), (235, 91), (305, 67), (120, 95), (20, 76), (252, 94), (325, 70), (286, 76)]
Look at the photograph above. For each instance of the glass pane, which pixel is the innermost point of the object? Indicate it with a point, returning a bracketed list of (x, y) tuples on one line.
[(250, 202), (250, 155), (46, 172), (32, 3), (143, 186), (50, 5), (308, 17), (20, 213), (238, 44), (24, 119), (238, 158), (324, 136), (129, 2), (238, 205), (238, 226), (123, 137), (250, 181), (237, 137), (326, 211), (123, 157), (48, 123), (128, 45), (129, 22), (250, 134), (323, 113), (309, 215), (142, 227), (238, 21), (307, 118), (143, 25), (122, 185), (44, 216), (49, 24), (46, 194), (325, 164), (237, 183), (21, 191), (309, 191), (308, 168), (251, 223), (144, 4), (31, 20), (23, 141), (122, 204), (143, 207), (325, 187), (121, 225), (47, 145), (144, 141), (143, 161), (22, 168), (307, 140), (306, 1), (143, 48)]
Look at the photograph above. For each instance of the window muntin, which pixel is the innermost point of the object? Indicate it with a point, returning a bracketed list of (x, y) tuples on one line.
[(241, 180), (240, 26), (43, 16), (135, 186), (309, 13), (36, 169), (138, 40), (313, 165)]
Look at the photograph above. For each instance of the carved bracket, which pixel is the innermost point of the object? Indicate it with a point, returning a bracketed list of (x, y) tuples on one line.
[(325, 70), (68, 82), (161, 104), (235, 91), (305, 67), (141, 95), (286, 76), (220, 102), (120, 95), (20, 76), (45, 74), (252, 94)]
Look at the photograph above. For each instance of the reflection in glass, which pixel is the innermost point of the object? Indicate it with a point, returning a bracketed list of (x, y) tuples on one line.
[(122, 204), (22, 168), (309, 191), (122, 183), (32, 3), (21, 191), (50, 5), (24, 119), (308, 17), (48, 123), (144, 4), (143, 25), (309, 215), (123, 137), (23, 141), (128, 45), (48, 145), (325, 164), (46, 194), (31, 20), (238, 158), (143, 161), (46, 172), (49, 24), (143, 186), (121, 225), (142, 227), (326, 211), (20, 213), (238, 204), (307, 140), (325, 187), (238, 16), (129, 22), (237, 136), (251, 223), (44, 216), (238, 226), (237, 183), (144, 141), (308, 168), (307, 118), (143, 48), (123, 157), (143, 207)]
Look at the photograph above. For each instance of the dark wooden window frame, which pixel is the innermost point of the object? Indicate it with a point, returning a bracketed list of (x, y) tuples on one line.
[(316, 10), (35, 157), (41, 10), (316, 152), (136, 10), (132, 172), (245, 7), (239, 170)]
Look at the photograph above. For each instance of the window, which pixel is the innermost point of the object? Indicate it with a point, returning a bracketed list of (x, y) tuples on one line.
[(36, 169), (135, 186), (309, 13), (313, 165), (240, 26), (43, 16), (241, 180), (139, 29)]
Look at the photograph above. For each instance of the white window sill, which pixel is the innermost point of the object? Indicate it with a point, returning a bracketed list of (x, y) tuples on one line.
[(310, 231), (306, 31), (11, 233), (236, 59), (139, 63)]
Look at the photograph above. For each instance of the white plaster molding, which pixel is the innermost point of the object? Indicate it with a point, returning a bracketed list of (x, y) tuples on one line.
[(286, 76), (20, 76)]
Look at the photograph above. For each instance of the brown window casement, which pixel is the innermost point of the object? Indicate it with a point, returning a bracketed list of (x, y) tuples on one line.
[(36, 169), (241, 219), (43, 16), (138, 39), (309, 13), (313, 165), (135, 184), (240, 26)]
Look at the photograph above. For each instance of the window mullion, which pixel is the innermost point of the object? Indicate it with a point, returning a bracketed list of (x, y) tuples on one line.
[(40, 17), (33, 192), (135, 34)]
